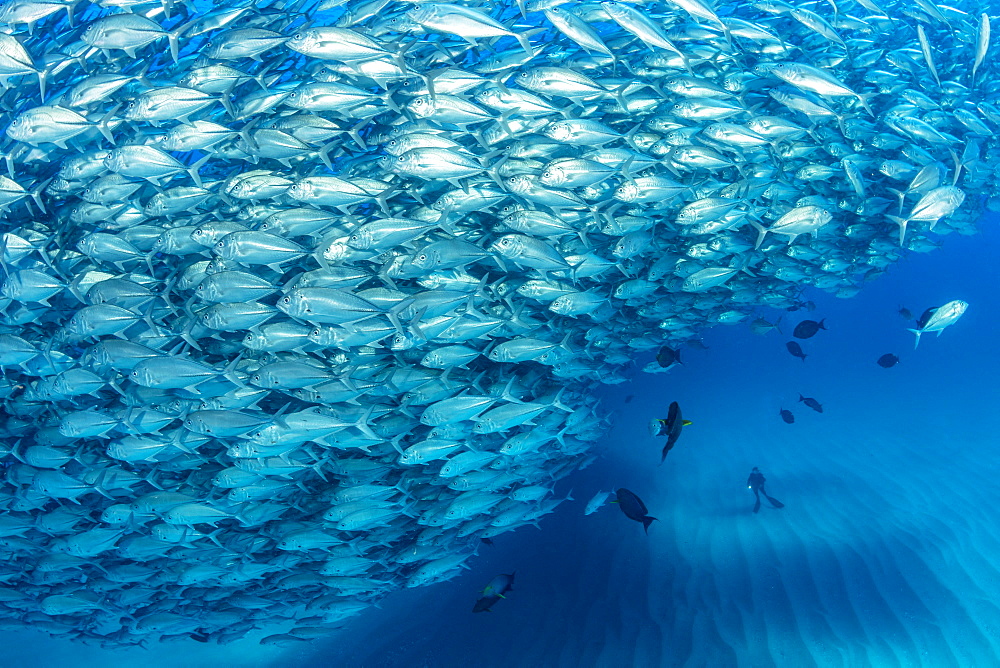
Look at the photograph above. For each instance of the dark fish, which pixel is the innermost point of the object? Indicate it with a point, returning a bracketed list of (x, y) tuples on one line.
[(487, 541), (494, 591), (674, 423), (787, 416), (199, 637), (905, 314), (888, 360), (667, 357), (634, 508), (629, 398), (808, 328), (795, 350), (811, 403), (925, 316)]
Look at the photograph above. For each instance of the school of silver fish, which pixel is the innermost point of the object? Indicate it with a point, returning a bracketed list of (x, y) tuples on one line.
[(300, 301)]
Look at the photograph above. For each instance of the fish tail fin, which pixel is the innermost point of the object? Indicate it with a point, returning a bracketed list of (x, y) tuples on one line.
[(43, 77), (902, 227), (899, 194), (522, 39), (193, 169), (395, 443), (864, 97), (230, 371), (214, 537), (557, 401), (761, 231), (918, 333), (646, 521), (174, 38), (506, 395), (104, 128)]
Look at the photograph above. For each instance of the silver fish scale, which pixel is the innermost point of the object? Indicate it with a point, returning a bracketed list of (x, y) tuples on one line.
[(328, 308)]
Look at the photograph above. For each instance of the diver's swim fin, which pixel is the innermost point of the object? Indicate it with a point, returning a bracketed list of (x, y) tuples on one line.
[(756, 505), (774, 502)]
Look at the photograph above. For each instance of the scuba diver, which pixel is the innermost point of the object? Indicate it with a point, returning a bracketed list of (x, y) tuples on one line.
[(756, 483)]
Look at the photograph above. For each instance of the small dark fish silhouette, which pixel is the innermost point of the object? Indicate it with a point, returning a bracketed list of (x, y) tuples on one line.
[(487, 541), (925, 316), (905, 314), (811, 403), (634, 508), (494, 591), (808, 328), (667, 357), (787, 416), (887, 360), (796, 350), (673, 425), (629, 398)]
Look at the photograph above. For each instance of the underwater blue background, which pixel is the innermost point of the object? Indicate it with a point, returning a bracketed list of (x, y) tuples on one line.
[(886, 553)]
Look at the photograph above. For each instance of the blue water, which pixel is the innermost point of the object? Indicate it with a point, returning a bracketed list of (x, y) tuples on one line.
[(885, 554)]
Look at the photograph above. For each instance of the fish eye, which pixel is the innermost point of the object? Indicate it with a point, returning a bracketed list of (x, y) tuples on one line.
[(286, 300), (400, 159), (299, 35)]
